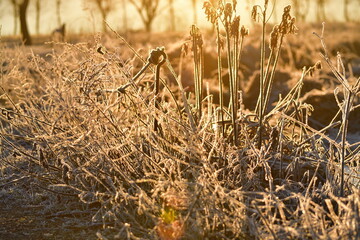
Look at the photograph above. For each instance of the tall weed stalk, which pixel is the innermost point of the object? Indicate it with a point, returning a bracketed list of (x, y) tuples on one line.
[(225, 14), (286, 26), (197, 43), (349, 93)]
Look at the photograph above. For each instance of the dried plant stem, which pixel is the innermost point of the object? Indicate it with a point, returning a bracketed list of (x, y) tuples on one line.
[(156, 97), (142, 59), (198, 68), (221, 91), (345, 123), (238, 60), (231, 70), (262, 75), (183, 95), (269, 82), (265, 222), (346, 107)]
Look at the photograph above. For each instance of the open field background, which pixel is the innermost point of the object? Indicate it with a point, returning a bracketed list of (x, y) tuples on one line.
[(90, 149)]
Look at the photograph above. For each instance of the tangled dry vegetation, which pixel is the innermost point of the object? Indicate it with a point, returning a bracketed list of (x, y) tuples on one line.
[(153, 161)]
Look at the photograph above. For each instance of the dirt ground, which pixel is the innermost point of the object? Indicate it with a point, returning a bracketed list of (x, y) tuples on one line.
[(29, 212), (19, 221)]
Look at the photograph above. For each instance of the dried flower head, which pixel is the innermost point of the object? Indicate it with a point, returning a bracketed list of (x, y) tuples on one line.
[(235, 26), (220, 7), (287, 24), (244, 31), (210, 12), (274, 37), (292, 27), (228, 12), (254, 13), (185, 49), (155, 55), (234, 2)]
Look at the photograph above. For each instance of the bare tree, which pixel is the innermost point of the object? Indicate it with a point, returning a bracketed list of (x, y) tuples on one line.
[(15, 6), (104, 7), (346, 9), (320, 10), (58, 8), (23, 23), (37, 9), (172, 15), (148, 10)]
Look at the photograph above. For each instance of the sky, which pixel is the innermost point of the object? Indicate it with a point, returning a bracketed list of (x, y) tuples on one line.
[(80, 16)]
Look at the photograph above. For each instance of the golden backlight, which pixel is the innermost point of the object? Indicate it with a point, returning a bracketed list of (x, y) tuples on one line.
[(86, 16)]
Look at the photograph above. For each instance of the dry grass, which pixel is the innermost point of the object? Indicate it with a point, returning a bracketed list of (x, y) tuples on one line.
[(83, 137)]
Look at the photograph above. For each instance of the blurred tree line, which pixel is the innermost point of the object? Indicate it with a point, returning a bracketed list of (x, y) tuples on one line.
[(148, 11)]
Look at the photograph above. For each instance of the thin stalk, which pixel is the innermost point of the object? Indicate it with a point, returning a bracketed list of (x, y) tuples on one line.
[(236, 84), (183, 96), (270, 82), (239, 57), (157, 79), (262, 63), (156, 97), (265, 77), (197, 70), (232, 87), (235, 71), (347, 108), (221, 93), (201, 78)]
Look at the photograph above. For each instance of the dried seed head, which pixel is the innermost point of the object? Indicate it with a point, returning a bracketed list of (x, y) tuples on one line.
[(235, 26), (210, 12), (292, 27), (234, 2), (207, 5), (274, 37), (254, 13), (185, 49), (244, 31), (287, 24), (220, 7), (156, 55), (228, 12)]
